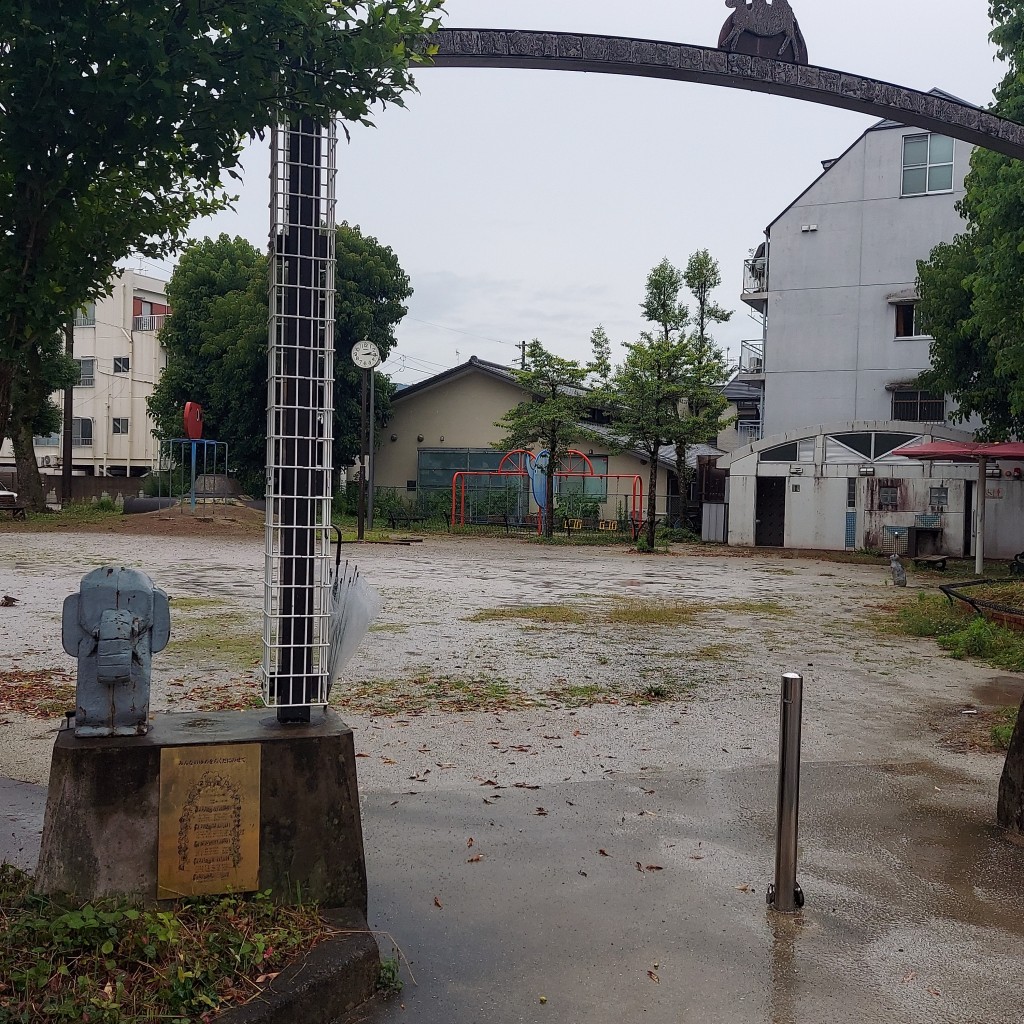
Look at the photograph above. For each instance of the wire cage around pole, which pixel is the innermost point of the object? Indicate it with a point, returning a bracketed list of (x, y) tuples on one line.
[(300, 417)]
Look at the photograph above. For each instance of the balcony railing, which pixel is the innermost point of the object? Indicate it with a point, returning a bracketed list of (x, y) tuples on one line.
[(751, 357), (749, 432), (153, 322), (755, 275), (85, 320)]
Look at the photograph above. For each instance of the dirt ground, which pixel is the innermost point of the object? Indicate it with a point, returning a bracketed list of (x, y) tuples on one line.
[(674, 657)]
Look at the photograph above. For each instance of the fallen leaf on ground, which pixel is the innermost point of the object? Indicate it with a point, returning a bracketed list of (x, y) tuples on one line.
[(541, 812), (469, 842), (525, 785), (655, 867), (604, 853), (475, 859), (654, 977), (438, 904), (362, 755), (267, 977), (743, 888)]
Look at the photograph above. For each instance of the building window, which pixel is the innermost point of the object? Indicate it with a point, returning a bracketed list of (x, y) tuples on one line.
[(120, 424), (905, 320), (86, 372), (918, 407), (888, 498), (86, 316), (805, 449), (938, 496), (81, 433), (851, 492), (121, 364), (927, 164)]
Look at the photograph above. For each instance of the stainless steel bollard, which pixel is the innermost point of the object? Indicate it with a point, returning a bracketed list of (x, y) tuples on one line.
[(785, 895)]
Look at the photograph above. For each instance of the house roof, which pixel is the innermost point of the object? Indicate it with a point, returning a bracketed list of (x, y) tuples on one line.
[(472, 365)]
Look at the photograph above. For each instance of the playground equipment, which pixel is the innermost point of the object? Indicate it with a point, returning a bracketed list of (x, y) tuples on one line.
[(504, 494)]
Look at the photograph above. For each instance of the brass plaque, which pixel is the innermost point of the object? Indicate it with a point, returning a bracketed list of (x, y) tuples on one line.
[(209, 820)]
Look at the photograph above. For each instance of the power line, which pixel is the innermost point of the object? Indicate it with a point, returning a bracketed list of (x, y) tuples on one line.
[(469, 334)]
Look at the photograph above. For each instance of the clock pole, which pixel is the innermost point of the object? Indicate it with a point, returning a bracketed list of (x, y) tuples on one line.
[(361, 511), (371, 448)]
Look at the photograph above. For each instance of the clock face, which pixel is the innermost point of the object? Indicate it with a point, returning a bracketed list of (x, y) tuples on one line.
[(365, 354)]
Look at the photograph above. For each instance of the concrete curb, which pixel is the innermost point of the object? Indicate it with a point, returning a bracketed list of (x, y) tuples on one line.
[(329, 982)]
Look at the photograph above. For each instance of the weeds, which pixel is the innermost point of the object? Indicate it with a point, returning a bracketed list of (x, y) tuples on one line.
[(389, 977), (962, 633), (1002, 731), (111, 962)]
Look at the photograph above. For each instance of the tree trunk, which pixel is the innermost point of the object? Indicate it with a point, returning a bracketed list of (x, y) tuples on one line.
[(30, 484), (652, 495), (1010, 810), (6, 382)]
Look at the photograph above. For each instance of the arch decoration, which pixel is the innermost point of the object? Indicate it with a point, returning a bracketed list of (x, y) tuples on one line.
[(685, 62)]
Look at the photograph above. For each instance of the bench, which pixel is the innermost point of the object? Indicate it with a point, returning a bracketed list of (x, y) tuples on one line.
[(10, 503), (405, 517), (931, 562)]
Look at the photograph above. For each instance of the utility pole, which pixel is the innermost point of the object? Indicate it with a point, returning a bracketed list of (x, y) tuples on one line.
[(522, 350), (69, 420)]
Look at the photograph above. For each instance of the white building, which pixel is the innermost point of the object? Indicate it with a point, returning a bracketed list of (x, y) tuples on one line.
[(120, 360), (835, 283)]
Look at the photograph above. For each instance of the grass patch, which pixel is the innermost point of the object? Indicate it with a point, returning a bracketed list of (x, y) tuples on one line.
[(767, 607), (1010, 594), (964, 634), (112, 962), (554, 613), (192, 604), (432, 693), (583, 695), (389, 627), (219, 639), (641, 612), (41, 693), (712, 652)]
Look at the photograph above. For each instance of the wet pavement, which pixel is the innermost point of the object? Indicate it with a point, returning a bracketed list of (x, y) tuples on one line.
[(914, 913)]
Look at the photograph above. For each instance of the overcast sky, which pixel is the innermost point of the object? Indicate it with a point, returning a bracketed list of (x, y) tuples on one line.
[(533, 203)]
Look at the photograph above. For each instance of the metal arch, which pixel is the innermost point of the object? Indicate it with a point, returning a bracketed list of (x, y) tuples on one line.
[(683, 62)]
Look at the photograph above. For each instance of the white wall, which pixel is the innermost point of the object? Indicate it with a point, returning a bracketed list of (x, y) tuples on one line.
[(830, 348)]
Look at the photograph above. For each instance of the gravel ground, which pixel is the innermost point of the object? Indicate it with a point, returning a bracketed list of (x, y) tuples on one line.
[(469, 698)]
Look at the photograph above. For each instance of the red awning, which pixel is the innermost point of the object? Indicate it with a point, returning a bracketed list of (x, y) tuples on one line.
[(963, 451)]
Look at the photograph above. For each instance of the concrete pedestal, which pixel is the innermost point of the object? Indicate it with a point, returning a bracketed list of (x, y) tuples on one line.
[(102, 811)]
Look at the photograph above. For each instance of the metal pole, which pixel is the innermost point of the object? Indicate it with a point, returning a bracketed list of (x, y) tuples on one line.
[(69, 422), (785, 895), (979, 539), (361, 508), (369, 452)]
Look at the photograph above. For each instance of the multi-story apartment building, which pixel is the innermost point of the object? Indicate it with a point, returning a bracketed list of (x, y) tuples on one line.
[(120, 360), (835, 284)]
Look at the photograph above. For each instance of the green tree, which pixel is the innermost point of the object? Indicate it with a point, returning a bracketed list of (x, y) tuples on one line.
[(705, 367), (119, 123), (972, 289), (644, 392), (216, 342), (554, 416)]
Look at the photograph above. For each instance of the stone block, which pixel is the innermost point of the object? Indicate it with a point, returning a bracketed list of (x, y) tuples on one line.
[(101, 828)]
